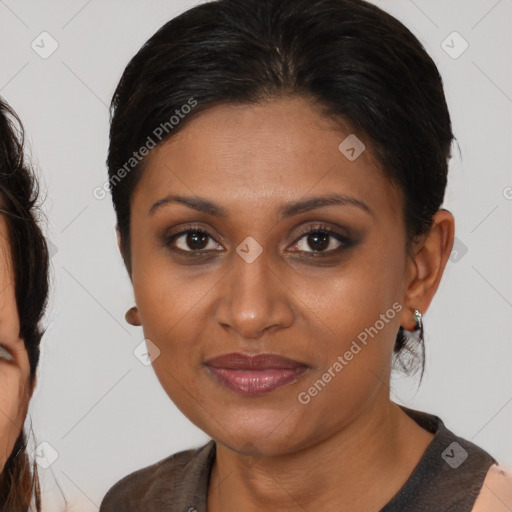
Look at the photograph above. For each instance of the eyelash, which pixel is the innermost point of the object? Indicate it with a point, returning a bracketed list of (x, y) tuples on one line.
[(344, 240)]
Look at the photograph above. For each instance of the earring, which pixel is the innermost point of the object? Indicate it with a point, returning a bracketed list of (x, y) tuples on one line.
[(418, 320), (406, 344), (131, 316)]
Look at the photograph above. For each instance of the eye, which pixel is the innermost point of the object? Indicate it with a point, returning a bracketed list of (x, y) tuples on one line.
[(193, 239), (322, 240), (5, 354)]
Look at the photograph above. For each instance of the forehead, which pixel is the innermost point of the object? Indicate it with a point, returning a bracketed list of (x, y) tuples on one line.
[(258, 156)]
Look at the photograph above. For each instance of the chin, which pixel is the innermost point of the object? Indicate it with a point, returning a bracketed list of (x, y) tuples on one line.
[(263, 434)]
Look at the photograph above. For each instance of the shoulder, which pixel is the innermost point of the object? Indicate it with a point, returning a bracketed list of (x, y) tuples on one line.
[(148, 486), (496, 492)]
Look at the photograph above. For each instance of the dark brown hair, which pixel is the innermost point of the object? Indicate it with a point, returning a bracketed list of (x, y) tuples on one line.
[(360, 65), (19, 194)]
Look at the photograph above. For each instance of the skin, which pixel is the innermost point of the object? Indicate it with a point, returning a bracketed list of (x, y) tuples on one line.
[(15, 374), (496, 493), (350, 446)]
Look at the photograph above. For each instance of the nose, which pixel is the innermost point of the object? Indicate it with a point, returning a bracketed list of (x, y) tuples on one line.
[(253, 299)]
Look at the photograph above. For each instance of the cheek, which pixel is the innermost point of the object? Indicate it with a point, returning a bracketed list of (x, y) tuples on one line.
[(353, 298), (360, 320), (14, 402), (172, 303), (165, 293), (357, 314)]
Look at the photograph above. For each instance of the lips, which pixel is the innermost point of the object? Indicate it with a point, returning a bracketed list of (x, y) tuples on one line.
[(254, 374)]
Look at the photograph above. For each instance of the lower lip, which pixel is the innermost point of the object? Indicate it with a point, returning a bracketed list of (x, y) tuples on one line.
[(253, 382)]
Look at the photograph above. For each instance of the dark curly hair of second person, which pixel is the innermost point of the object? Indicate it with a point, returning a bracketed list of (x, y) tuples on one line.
[(27, 251)]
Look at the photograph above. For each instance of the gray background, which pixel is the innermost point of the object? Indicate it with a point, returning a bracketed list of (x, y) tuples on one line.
[(102, 413)]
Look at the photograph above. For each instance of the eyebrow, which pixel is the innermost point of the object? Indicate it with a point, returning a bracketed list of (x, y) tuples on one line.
[(287, 210)]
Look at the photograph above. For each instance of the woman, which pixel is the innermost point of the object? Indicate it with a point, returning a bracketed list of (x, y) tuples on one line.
[(278, 169), (24, 290)]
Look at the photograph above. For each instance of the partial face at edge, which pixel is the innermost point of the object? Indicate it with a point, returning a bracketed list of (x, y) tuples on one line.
[(307, 296), (14, 370)]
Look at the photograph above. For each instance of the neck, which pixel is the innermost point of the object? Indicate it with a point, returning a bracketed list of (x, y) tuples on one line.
[(377, 451)]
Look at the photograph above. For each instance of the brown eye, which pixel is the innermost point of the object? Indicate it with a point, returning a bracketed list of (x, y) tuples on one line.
[(321, 240), (193, 240)]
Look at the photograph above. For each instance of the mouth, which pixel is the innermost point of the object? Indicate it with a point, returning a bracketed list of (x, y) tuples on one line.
[(254, 374)]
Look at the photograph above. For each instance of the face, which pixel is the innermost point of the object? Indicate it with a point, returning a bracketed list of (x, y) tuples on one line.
[(14, 363), (258, 267)]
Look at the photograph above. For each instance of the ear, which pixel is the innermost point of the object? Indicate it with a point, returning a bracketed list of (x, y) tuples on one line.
[(426, 266)]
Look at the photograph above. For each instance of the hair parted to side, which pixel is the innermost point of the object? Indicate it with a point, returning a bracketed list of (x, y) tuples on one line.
[(19, 194), (360, 66)]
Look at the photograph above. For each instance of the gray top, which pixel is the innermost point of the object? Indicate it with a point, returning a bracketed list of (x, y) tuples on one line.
[(447, 478)]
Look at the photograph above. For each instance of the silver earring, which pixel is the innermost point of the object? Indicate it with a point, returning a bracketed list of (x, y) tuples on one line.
[(418, 320)]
